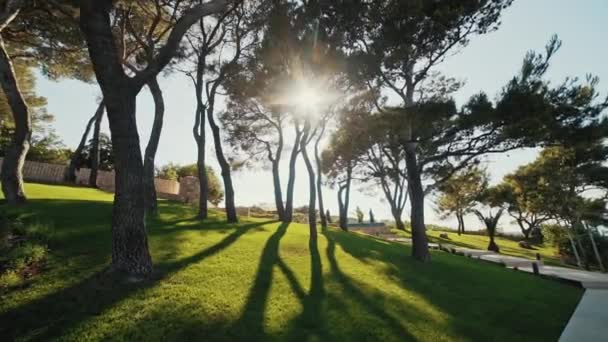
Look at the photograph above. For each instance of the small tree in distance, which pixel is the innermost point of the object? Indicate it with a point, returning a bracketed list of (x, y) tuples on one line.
[(360, 215), (490, 198), (372, 219)]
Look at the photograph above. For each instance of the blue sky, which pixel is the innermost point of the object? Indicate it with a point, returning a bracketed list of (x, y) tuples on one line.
[(486, 64)]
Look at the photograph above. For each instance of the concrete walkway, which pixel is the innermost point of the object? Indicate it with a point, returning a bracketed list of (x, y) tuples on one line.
[(589, 322)]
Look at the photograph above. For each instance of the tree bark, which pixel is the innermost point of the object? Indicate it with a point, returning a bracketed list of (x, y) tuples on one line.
[(397, 217), (420, 246), (129, 242), (292, 176), (492, 246), (276, 176), (320, 181), (203, 182), (150, 154), (312, 214), (12, 168), (225, 167), (278, 193), (344, 202), (70, 175), (95, 152)]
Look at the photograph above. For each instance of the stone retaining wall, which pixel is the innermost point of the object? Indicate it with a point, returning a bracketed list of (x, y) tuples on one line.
[(54, 174)]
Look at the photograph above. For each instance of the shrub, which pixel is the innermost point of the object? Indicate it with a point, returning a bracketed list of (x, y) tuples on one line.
[(26, 254), (9, 279), (558, 236)]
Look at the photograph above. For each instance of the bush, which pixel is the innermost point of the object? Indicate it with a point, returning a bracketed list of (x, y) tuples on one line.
[(558, 236), (22, 246), (9, 279), (26, 254)]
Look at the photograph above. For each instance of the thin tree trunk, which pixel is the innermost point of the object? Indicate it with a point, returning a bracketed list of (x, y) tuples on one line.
[(129, 242), (292, 176), (462, 223), (420, 246), (198, 132), (320, 181), (312, 214), (225, 167), (150, 154), (341, 220), (95, 151), (278, 193), (203, 182), (70, 175), (12, 167)]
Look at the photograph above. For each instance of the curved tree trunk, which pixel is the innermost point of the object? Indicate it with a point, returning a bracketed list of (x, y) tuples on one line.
[(312, 214), (420, 246), (292, 176), (150, 154), (70, 175), (12, 167), (129, 242), (95, 151), (320, 180), (397, 217), (225, 167)]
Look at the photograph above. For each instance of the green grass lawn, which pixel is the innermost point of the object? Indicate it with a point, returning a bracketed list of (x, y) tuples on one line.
[(508, 245), (261, 280)]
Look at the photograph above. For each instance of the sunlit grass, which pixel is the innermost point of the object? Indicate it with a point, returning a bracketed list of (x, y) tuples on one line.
[(261, 280)]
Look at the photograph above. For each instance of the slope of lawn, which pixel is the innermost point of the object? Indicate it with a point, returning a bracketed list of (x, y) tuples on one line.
[(508, 245), (261, 280)]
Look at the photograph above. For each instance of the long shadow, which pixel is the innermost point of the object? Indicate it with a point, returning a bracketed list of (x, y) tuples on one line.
[(56, 313), (358, 295), (252, 317), (474, 293), (311, 319)]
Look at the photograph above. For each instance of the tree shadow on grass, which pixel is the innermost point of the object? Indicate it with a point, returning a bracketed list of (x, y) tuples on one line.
[(251, 320), (56, 313), (474, 294), (354, 292)]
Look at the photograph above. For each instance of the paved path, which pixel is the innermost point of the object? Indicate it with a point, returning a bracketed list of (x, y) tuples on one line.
[(589, 322)]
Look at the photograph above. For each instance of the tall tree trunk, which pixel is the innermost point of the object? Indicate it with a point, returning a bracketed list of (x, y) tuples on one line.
[(150, 154), (203, 182), (276, 176), (129, 242), (12, 167), (459, 218), (70, 175), (278, 193), (320, 181), (341, 213), (343, 201), (292, 176), (462, 223), (225, 167), (198, 131), (420, 246), (312, 214), (95, 151)]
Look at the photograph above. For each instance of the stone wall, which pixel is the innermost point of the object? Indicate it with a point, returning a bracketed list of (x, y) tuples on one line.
[(369, 228), (54, 174)]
